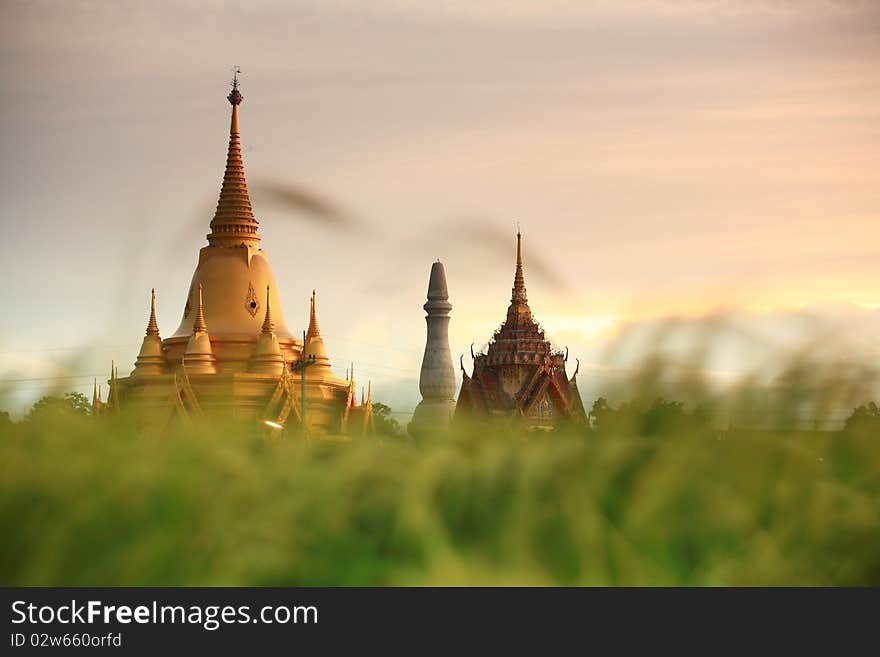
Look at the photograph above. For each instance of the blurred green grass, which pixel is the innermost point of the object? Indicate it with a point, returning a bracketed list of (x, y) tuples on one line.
[(87, 501)]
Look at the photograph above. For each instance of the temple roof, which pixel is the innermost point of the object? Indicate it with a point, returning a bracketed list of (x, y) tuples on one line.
[(519, 369), (519, 340)]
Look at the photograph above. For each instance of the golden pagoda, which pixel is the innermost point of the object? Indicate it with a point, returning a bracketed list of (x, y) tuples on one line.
[(232, 357)]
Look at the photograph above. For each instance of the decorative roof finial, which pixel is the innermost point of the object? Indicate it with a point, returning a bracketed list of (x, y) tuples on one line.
[(199, 325), (519, 260), (268, 324), (235, 96), (152, 325), (314, 331), (234, 223), (518, 298)]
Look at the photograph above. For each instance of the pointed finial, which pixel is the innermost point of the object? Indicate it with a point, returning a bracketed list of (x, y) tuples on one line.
[(235, 96), (234, 223), (518, 247), (95, 393), (362, 395), (314, 331), (268, 324), (369, 392), (99, 394), (519, 281), (152, 325), (199, 325)]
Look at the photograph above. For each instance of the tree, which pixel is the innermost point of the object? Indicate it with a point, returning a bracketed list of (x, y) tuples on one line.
[(53, 407), (385, 424), (865, 418), (662, 417), (600, 415)]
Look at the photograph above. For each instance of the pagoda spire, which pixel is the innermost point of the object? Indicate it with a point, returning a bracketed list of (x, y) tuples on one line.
[(267, 357), (234, 223), (113, 392), (152, 325), (314, 331), (150, 359), (519, 313), (268, 324), (519, 280), (313, 346), (199, 325), (199, 357)]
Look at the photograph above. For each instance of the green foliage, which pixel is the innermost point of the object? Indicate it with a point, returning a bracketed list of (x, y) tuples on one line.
[(71, 404), (89, 501), (385, 425), (865, 419), (661, 417)]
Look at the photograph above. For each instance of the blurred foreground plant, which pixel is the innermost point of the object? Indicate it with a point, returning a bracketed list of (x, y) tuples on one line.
[(88, 501)]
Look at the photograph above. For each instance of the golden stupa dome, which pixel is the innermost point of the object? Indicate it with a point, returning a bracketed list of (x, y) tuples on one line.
[(233, 281), (232, 272)]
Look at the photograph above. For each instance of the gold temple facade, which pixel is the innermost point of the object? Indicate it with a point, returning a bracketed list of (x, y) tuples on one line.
[(233, 357)]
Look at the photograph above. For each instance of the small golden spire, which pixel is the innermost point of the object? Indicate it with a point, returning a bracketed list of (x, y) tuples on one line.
[(268, 324), (199, 325), (199, 357), (152, 325), (112, 393), (313, 331)]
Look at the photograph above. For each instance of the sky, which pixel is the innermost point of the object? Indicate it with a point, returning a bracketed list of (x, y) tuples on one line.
[(683, 159)]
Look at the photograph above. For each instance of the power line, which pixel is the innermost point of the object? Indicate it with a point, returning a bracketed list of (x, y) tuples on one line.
[(373, 344), (53, 378), (80, 348)]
